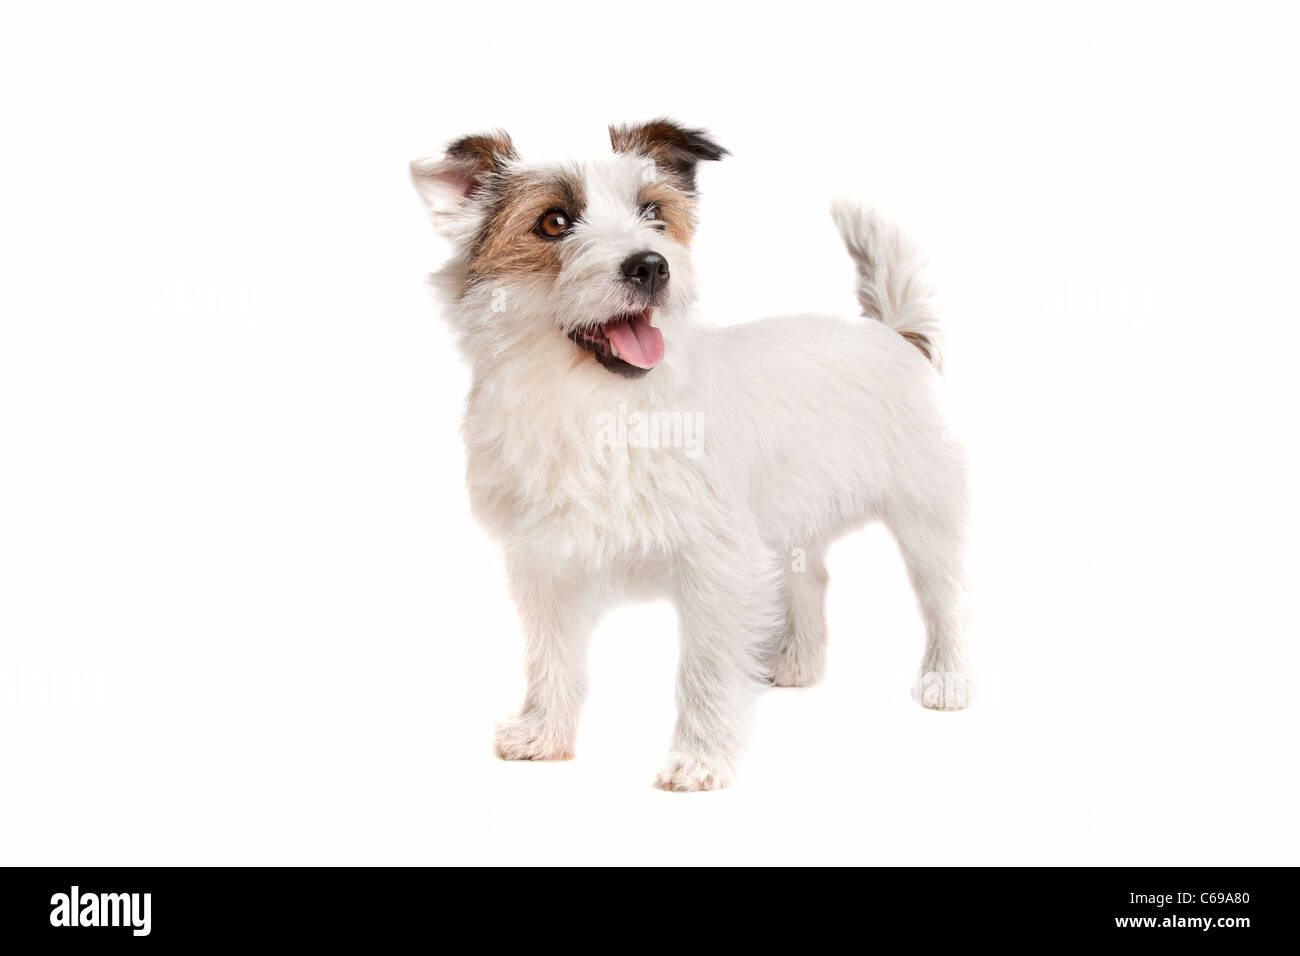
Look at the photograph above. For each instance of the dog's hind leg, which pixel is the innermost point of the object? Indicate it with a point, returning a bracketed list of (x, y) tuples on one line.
[(726, 591), (558, 612), (799, 657), (931, 531)]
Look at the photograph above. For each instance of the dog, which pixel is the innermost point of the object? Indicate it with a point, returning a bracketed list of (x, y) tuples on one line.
[(618, 447)]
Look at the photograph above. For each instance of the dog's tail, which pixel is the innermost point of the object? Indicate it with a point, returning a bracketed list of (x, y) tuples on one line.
[(892, 286)]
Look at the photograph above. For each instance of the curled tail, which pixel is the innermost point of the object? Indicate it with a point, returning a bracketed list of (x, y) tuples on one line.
[(891, 277)]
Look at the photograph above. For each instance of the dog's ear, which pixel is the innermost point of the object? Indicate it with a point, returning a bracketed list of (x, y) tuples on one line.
[(674, 149), (445, 182)]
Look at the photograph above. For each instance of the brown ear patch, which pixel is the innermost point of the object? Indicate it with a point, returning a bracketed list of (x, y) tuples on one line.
[(476, 158), (675, 149)]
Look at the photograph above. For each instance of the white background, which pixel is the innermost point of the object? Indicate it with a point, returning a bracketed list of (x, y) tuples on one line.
[(246, 617)]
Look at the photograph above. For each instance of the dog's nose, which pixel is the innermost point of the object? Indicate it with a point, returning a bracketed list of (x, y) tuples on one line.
[(646, 270)]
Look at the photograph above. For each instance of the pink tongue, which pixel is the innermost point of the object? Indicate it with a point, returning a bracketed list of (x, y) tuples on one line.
[(638, 342)]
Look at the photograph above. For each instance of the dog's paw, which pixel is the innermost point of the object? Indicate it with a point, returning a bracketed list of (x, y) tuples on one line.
[(519, 738), (685, 772), (945, 690), (785, 669)]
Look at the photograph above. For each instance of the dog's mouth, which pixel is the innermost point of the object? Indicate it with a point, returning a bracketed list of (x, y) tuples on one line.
[(627, 343)]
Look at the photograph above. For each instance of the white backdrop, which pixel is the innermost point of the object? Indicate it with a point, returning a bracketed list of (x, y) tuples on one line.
[(245, 615)]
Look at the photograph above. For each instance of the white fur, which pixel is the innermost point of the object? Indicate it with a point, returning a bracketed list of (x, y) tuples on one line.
[(812, 426)]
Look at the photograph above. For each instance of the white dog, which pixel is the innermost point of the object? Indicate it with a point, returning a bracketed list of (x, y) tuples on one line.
[(617, 447)]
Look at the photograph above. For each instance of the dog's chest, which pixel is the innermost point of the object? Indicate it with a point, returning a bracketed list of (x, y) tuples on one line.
[(582, 482)]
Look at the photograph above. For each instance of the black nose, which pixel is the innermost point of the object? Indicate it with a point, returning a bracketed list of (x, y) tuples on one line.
[(646, 270)]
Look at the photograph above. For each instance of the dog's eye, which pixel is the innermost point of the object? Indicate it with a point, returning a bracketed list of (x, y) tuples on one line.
[(554, 224), (650, 212)]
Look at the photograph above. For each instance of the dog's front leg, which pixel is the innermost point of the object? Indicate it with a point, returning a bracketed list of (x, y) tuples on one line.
[(557, 613), (727, 602)]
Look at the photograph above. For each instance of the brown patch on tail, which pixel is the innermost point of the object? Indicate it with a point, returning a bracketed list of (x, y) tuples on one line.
[(920, 341)]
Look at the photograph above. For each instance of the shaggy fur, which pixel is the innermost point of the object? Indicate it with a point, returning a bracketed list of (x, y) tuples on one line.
[(718, 476)]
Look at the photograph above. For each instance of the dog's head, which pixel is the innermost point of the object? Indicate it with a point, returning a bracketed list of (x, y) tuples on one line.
[(593, 251)]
